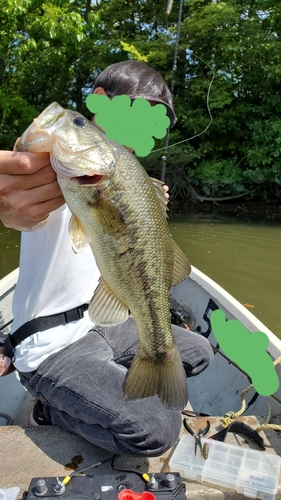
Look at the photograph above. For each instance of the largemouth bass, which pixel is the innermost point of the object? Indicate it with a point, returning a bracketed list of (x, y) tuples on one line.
[(121, 213)]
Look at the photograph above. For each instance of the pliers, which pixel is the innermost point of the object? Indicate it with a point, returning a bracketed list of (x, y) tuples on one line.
[(198, 436)]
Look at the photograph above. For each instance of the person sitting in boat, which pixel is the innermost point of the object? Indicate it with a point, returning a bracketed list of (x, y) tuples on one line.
[(74, 369)]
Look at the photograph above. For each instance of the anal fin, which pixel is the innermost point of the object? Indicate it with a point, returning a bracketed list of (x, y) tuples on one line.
[(105, 309)]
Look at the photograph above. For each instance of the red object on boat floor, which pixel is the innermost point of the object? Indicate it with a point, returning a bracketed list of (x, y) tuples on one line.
[(133, 495)]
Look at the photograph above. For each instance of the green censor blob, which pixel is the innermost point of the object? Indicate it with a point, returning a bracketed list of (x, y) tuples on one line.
[(247, 350), (130, 124)]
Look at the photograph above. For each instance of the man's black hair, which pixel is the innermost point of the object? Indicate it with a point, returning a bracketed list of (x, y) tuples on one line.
[(135, 79)]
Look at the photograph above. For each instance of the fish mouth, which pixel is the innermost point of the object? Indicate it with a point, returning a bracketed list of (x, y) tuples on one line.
[(86, 180)]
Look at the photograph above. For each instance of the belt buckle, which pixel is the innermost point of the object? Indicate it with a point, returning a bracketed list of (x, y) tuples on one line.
[(80, 311), (74, 314)]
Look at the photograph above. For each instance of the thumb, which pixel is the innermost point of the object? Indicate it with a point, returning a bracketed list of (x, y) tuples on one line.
[(15, 145)]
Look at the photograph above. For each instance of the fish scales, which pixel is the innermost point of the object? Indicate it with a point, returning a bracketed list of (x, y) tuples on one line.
[(131, 265), (118, 209)]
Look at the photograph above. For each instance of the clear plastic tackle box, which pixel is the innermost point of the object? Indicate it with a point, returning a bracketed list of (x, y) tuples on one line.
[(253, 473)]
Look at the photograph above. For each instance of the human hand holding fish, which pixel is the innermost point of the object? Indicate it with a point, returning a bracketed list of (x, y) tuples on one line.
[(121, 213), (28, 189), (6, 365)]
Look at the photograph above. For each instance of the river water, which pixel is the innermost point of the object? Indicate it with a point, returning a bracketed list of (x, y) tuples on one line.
[(243, 257)]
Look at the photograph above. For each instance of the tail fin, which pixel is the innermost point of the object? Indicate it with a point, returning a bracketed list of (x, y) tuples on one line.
[(146, 378)]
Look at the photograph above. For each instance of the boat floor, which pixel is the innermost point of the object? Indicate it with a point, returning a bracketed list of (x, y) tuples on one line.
[(48, 451)]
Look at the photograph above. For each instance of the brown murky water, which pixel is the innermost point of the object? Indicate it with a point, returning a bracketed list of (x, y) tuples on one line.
[(242, 257)]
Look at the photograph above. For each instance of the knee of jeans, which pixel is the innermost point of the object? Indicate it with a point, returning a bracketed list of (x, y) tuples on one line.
[(204, 358), (159, 434), (207, 353)]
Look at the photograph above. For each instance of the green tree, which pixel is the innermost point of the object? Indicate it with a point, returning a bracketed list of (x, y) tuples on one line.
[(55, 50), (44, 48), (241, 41)]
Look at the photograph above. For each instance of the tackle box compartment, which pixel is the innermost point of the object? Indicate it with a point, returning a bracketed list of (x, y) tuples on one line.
[(253, 473)]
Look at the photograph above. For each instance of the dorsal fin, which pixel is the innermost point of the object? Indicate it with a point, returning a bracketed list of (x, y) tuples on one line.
[(160, 192), (182, 266)]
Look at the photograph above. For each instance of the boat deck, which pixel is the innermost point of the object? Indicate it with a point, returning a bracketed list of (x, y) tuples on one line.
[(48, 451)]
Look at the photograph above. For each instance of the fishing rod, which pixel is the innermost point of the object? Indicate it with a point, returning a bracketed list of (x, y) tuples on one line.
[(168, 11), (177, 46), (169, 7)]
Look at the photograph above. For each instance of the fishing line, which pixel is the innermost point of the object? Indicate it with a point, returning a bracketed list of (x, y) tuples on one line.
[(168, 10), (172, 86), (208, 109)]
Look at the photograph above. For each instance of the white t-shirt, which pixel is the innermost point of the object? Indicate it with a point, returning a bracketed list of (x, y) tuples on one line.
[(52, 279)]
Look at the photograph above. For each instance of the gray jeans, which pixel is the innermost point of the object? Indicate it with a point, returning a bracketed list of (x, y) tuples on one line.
[(81, 390)]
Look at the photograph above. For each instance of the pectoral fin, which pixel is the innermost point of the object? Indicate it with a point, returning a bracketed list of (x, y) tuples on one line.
[(105, 308), (79, 239), (182, 266)]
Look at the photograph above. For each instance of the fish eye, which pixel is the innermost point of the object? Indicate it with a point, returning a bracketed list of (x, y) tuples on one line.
[(79, 121)]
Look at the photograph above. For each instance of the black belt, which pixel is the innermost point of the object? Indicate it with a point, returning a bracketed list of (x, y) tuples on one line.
[(41, 324)]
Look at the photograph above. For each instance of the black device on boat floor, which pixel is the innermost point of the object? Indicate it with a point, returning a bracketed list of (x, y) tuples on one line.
[(164, 486)]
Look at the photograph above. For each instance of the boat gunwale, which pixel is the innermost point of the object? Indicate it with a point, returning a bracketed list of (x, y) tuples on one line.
[(240, 312)]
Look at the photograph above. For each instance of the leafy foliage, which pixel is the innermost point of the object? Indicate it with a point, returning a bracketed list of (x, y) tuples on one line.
[(43, 46), (54, 50)]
